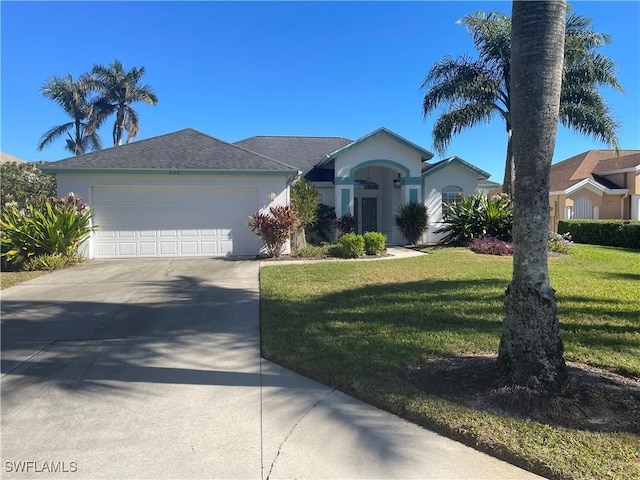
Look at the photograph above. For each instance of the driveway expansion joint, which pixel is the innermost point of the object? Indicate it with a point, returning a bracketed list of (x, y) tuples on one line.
[(29, 358)]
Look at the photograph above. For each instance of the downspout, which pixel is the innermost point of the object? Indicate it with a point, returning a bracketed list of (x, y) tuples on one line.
[(622, 205)]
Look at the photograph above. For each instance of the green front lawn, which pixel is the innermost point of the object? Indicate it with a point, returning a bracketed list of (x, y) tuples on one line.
[(358, 326)]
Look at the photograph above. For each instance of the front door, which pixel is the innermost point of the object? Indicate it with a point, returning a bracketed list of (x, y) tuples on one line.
[(368, 221)]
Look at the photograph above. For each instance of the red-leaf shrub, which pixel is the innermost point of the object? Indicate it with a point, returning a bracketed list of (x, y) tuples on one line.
[(490, 246), (346, 224), (274, 228)]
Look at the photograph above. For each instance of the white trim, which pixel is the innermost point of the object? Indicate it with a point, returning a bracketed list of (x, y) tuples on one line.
[(594, 187)]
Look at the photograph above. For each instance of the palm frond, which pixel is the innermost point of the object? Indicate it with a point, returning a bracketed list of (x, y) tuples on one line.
[(597, 69), (580, 33), (53, 134), (118, 89), (460, 81), (491, 32), (456, 120), (592, 121), (131, 124)]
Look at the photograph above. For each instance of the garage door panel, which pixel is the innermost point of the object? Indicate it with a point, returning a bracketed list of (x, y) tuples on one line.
[(127, 249), (107, 249), (148, 249), (226, 247), (126, 233), (150, 221)]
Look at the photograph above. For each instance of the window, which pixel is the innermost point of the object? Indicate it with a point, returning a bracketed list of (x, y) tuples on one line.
[(451, 194)]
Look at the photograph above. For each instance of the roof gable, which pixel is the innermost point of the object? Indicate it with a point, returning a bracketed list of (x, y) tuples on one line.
[(425, 154), (573, 170), (435, 167), (185, 149)]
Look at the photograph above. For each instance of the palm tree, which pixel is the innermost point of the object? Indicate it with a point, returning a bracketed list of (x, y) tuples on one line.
[(73, 97), (474, 91), (117, 90), (531, 352)]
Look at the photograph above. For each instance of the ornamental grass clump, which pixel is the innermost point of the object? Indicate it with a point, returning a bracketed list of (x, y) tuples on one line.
[(411, 219)]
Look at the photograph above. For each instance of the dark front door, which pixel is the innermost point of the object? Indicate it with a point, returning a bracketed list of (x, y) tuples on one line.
[(369, 218)]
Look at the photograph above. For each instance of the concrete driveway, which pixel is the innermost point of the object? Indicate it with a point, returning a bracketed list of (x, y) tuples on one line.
[(151, 369)]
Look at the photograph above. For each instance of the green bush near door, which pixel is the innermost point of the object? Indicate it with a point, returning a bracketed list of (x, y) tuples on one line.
[(374, 243)]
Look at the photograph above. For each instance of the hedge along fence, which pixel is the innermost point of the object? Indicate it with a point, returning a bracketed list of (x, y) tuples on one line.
[(613, 233)]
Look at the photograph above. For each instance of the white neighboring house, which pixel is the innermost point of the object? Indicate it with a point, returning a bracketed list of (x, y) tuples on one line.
[(187, 193)]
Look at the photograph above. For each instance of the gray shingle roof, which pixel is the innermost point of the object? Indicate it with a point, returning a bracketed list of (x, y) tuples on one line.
[(185, 149), (301, 152)]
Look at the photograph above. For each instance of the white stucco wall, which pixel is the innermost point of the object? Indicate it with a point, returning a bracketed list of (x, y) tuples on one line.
[(381, 147), (327, 195), (381, 159), (432, 187), (267, 186)]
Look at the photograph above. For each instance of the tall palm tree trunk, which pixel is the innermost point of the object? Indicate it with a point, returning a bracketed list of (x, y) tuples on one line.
[(531, 352), (118, 128), (507, 184)]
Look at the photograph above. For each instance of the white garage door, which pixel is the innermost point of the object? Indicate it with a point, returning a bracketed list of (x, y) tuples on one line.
[(157, 222)]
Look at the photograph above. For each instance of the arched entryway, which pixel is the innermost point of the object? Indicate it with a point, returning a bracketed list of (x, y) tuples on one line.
[(379, 188)]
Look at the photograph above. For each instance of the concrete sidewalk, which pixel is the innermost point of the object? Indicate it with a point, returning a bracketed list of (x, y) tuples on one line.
[(152, 369)]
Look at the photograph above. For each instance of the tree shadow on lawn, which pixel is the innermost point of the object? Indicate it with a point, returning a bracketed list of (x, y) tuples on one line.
[(351, 338), (594, 399), (619, 275)]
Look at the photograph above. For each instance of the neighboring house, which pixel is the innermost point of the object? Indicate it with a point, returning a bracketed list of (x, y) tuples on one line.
[(596, 184), (487, 187), (187, 193), (6, 158)]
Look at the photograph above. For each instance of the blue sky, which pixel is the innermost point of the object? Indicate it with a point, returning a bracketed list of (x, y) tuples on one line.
[(234, 70)]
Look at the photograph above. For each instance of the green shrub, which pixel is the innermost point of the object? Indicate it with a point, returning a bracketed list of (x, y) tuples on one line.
[(412, 221), (313, 251), (374, 243), (57, 226), (560, 243), (477, 216), (274, 228), (351, 245), (612, 233)]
